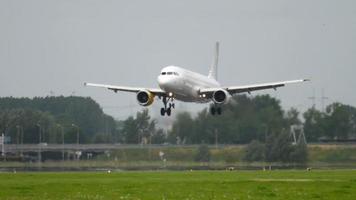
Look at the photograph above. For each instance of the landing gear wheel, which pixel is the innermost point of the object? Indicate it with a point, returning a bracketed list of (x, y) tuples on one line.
[(212, 110), (219, 110), (168, 112), (163, 111), (167, 109)]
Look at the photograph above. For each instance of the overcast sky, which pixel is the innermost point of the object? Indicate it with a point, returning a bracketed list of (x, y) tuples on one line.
[(49, 45)]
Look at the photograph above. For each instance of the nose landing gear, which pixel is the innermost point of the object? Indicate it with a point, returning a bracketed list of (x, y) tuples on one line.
[(167, 109)]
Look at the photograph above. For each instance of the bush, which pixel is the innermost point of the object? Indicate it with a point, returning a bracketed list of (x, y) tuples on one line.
[(299, 153), (279, 148), (203, 154), (232, 157), (254, 152)]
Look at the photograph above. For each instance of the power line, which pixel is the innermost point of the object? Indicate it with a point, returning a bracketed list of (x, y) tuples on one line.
[(322, 99)]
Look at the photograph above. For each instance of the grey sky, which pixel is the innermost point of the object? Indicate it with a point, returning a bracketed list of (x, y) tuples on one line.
[(48, 45)]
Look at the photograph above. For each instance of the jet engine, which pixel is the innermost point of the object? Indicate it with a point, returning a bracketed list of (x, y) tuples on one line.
[(220, 96), (145, 98)]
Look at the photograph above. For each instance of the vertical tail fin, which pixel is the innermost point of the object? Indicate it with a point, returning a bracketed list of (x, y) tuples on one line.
[(213, 72)]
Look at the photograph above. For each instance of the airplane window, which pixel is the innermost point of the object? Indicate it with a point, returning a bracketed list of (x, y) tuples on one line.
[(176, 73), (163, 73), (169, 73)]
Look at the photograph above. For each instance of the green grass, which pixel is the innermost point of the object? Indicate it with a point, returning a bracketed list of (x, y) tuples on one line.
[(181, 185)]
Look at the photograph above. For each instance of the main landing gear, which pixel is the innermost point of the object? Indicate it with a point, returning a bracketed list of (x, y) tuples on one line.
[(167, 109), (214, 109)]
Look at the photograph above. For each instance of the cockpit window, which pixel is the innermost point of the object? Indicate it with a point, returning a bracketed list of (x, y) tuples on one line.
[(170, 73)]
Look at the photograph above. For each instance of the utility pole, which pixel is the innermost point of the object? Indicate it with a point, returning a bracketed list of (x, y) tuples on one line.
[(313, 98), (322, 99)]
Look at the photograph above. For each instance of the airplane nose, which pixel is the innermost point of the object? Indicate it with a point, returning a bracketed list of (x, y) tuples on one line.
[(163, 81), (160, 80)]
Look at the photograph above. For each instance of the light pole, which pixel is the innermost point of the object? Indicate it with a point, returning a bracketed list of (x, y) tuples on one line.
[(18, 140), (17, 135), (62, 132), (266, 132), (39, 133), (39, 143), (77, 127), (216, 138), (22, 134), (21, 140), (3, 145)]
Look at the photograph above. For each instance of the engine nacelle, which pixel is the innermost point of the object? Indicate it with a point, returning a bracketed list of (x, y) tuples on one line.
[(220, 96), (145, 98)]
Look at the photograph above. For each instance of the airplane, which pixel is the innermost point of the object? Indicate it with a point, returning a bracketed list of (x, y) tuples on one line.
[(177, 83)]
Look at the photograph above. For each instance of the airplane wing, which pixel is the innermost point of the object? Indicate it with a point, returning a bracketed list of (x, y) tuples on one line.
[(116, 88), (249, 88)]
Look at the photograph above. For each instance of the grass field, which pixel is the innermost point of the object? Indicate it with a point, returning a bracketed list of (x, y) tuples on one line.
[(286, 184)]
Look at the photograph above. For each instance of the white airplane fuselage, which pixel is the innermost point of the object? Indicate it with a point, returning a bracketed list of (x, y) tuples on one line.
[(185, 84)]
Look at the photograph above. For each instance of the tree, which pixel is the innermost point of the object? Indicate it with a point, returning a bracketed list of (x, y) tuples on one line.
[(299, 153), (244, 119), (130, 131), (84, 112), (32, 122), (145, 127), (158, 137), (182, 129), (278, 148), (313, 125), (203, 154), (292, 117), (340, 121), (135, 129)]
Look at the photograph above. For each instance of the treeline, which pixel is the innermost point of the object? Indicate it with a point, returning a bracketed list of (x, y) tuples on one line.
[(25, 120), (249, 118), (244, 119), (338, 122)]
